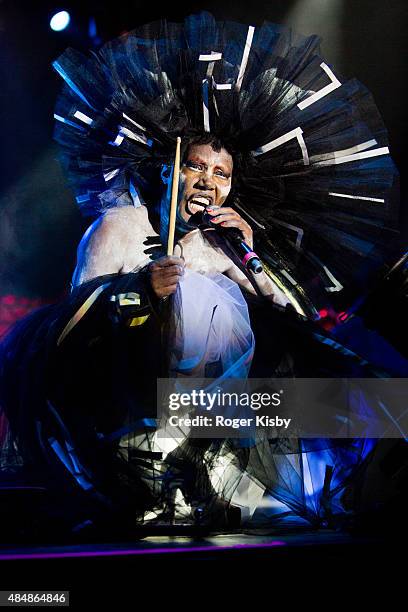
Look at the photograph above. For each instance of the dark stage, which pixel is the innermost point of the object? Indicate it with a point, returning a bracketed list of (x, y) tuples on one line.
[(40, 228)]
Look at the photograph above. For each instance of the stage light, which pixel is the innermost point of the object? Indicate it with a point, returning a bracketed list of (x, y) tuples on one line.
[(322, 17), (60, 21), (323, 313)]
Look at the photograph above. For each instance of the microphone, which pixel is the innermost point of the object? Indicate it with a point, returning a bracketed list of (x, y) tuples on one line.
[(233, 236)]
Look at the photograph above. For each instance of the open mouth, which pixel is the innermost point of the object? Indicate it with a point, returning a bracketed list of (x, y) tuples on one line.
[(198, 203)]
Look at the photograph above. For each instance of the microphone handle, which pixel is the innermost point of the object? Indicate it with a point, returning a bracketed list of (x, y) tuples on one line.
[(233, 236), (247, 256)]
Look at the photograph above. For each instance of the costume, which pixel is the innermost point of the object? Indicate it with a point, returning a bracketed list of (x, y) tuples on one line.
[(314, 180)]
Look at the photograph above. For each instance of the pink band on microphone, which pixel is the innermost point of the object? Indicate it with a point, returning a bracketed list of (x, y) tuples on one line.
[(249, 255)]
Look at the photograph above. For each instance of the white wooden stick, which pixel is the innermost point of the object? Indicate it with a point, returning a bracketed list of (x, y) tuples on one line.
[(174, 198)]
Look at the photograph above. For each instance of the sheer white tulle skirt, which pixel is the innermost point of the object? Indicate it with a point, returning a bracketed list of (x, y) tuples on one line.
[(210, 333)]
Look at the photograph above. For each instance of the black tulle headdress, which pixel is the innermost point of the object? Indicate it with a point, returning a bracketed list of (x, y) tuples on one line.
[(315, 179)]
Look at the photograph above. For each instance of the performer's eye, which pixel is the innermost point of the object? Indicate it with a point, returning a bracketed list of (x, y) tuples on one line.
[(222, 174), (194, 166)]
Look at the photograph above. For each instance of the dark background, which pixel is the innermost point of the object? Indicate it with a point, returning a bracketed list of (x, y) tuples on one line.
[(40, 225)]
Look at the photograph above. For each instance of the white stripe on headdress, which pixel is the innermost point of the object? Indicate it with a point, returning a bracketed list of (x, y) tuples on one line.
[(126, 132), (206, 112), (352, 197), (288, 276), (335, 83), (296, 133), (123, 131), (68, 122), (245, 56), (221, 86), (83, 117), (299, 231), (355, 157), (336, 285), (363, 146), (134, 122), (118, 140), (210, 58), (108, 176)]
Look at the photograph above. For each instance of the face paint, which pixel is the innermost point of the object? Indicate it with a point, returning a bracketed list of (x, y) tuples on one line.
[(205, 179)]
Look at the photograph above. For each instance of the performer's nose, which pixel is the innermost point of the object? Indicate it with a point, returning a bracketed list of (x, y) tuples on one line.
[(206, 181)]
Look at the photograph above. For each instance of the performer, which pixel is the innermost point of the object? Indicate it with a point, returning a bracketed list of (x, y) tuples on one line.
[(277, 146), (116, 242)]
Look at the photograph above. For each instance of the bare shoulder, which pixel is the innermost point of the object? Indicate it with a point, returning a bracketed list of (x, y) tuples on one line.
[(106, 247), (123, 219), (114, 224)]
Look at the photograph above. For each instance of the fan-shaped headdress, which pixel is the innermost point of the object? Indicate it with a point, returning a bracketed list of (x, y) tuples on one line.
[(317, 179)]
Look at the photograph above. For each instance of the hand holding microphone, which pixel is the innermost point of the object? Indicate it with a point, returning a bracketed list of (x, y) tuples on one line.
[(236, 231)]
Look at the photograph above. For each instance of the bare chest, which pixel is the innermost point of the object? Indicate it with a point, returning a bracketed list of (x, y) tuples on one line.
[(143, 246)]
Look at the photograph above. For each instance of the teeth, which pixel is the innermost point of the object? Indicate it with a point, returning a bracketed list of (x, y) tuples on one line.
[(201, 200), (198, 203), (195, 207)]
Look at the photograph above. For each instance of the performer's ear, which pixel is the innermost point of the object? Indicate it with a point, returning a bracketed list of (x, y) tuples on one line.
[(165, 174)]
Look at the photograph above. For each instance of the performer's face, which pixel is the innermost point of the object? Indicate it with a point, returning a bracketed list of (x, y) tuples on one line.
[(205, 179)]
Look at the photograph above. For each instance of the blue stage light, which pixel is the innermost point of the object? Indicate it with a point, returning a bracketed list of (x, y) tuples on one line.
[(60, 21)]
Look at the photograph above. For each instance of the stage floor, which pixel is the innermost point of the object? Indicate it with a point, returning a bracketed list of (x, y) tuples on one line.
[(98, 572), (278, 544)]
